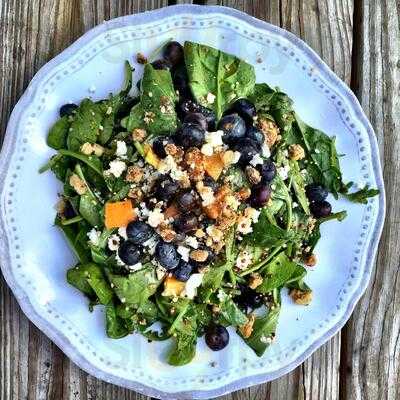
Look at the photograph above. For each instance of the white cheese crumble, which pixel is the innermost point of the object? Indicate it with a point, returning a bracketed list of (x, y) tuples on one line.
[(122, 232), (191, 285), (184, 252), (135, 267), (244, 225), (155, 217), (160, 272), (243, 259), (116, 168), (113, 242), (206, 194), (210, 98), (192, 242), (214, 138), (121, 149), (256, 160), (236, 157), (151, 244), (94, 236), (207, 149), (252, 213), (265, 151), (283, 172)]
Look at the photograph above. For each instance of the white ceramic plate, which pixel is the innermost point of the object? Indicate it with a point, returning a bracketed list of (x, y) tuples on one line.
[(34, 255)]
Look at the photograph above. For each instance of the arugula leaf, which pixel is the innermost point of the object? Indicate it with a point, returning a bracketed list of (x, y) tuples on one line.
[(90, 280), (362, 195), (57, 136), (183, 350), (298, 184), (225, 76), (137, 287), (229, 310), (266, 234), (115, 326), (70, 233), (279, 272), (264, 327), (156, 110)]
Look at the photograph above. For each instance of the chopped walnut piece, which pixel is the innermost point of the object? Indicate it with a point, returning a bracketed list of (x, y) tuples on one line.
[(141, 58), (167, 234), (253, 175), (301, 297), (296, 152), (310, 260), (134, 174), (136, 194), (247, 329), (199, 255), (243, 194), (90, 148), (138, 134), (255, 281), (270, 131), (78, 184), (194, 160), (199, 233)]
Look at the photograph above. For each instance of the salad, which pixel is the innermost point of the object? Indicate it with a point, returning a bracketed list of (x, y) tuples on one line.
[(193, 204)]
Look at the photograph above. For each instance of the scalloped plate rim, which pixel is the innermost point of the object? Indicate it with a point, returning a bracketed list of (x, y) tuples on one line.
[(62, 340)]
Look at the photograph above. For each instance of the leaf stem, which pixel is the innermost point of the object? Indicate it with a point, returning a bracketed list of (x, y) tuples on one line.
[(73, 220)]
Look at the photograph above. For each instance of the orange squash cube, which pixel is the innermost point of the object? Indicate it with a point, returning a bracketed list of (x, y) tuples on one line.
[(213, 165), (119, 214)]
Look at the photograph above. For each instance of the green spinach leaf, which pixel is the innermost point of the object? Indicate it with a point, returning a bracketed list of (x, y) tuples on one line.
[(115, 326), (229, 310), (213, 72), (91, 209), (183, 350), (361, 196), (57, 137)]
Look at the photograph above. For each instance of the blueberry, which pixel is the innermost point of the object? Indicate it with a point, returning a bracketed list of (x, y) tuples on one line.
[(234, 128), (173, 52), (67, 109), (186, 201), (183, 272), (129, 253), (210, 182), (191, 136), (247, 148), (166, 188), (166, 255), (186, 222), (159, 145), (320, 209), (138, 232), (256, 135), (245, 109), (248, 298), (267, 171), (260, 195), (316, 192), (181, 81), (217, 337), (197, 119), (161, 64), (190, 106)]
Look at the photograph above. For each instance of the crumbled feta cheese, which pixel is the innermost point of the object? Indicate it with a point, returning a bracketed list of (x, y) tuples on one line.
[(151, 244), (184, 252), (160, 272), (113, 242), (206, 194), (135, 267), (144, 211), (294, 205), (121, 149), (207, 149), (283, 172), (119, 261), (244, 225), (191, 285), (214, 138), (192, 242), (256, 160), (216, 234), (243, 259), (122, 229), (252, 213), (94, 236), (116, 168), (210, 98), (236, 157), (155, 217), (166, 165), (265, 151)]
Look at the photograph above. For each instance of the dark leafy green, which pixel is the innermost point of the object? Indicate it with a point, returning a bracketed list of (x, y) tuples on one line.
[(362, 195), (115, 326), (57, 137)]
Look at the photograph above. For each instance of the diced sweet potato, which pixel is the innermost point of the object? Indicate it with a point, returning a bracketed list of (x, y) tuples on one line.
[(119, 214), (173, 287), (213, 165)]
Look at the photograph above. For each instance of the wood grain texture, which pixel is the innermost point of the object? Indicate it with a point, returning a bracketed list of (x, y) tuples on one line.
[(371, 349), (364, 362)]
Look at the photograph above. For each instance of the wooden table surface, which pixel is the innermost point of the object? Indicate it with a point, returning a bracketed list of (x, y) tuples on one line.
[(360, 41)]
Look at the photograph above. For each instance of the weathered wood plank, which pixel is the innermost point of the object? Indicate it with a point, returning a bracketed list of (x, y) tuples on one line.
[(371, 354)]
